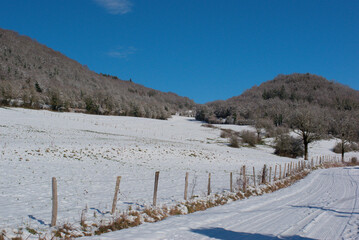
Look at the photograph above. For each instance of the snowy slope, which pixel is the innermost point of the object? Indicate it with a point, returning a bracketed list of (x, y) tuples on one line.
[(322, 206), (87, 152)]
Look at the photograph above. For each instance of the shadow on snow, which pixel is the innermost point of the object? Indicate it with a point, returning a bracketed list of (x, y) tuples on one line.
[(223, 234)]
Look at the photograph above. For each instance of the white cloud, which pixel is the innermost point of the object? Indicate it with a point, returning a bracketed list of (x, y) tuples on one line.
[(122, 52), (116, 6)]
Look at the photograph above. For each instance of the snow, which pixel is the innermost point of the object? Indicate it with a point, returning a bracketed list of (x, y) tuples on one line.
[(324, 205), (87, 152)]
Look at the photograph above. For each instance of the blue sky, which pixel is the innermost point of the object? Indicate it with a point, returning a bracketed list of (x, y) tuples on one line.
[(203, 49)]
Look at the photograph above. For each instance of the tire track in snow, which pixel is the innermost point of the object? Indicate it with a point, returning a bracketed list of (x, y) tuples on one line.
[(315, 214), (316, 223), (270, 211), (282, 213), (351, 223), (278, 214), (336, 213)]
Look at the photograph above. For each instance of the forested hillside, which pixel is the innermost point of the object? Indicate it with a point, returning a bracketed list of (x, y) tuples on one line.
[(33, 75), (277, 99)]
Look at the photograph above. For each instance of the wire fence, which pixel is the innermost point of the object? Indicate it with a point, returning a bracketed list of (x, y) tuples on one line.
[(97, 195)]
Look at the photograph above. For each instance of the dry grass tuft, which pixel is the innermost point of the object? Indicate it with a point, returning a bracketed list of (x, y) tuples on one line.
[(209, 125)]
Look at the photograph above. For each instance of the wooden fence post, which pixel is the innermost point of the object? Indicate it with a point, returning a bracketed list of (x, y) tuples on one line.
[(270, 174), (285, 165), (231, 181), (289, 169), (254, 177), (275, 172), (157, 175), (264, 174), (186, 186), (54, 202), (209, 184), (117, 187), (293, 168), (244, 179), (280, 172)]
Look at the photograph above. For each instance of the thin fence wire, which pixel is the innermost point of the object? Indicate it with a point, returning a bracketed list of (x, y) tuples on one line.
[(171, 189)]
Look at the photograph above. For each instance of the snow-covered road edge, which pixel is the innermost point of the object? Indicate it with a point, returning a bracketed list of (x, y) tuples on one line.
[(132, 218), (321, 206)]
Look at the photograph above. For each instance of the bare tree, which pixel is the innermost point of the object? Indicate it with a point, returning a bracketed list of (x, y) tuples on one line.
[(261, 124), (308, 123), (346, 129)]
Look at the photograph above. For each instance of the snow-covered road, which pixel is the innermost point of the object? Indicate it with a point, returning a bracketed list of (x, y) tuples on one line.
[(324, 205)]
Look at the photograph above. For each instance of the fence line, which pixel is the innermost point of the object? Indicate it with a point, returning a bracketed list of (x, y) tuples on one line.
[(236, 180)]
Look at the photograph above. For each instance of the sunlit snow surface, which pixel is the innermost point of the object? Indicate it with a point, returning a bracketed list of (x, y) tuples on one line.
[(86, 153)]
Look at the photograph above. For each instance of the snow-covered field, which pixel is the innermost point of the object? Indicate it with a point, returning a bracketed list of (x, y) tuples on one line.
[(86, 153)]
